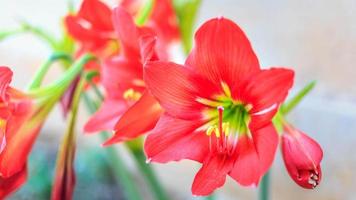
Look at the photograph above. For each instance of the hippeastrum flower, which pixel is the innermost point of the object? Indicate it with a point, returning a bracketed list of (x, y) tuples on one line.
[(123, 80), (302, 156), (25, 115), (91, 27), (218, 108), (15, 109)]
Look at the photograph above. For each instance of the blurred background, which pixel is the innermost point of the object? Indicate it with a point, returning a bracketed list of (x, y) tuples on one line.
[(315, 38)]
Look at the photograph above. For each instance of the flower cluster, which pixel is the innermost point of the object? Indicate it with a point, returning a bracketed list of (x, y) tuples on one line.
[(219, 108)]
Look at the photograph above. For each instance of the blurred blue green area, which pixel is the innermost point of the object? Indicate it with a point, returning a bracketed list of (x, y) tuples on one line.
[(94, 175)]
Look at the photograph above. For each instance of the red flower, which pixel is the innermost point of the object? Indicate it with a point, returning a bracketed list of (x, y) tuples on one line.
[(15, 109), (122, 79), (218, 108), (302, 156), (91, 26)]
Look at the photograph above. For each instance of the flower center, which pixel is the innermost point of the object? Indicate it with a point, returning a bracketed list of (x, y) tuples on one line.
[(228, 119)]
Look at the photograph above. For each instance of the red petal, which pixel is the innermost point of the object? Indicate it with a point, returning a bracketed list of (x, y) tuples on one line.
[(107, 115), (132, 6), (127, 32), (119, 75), (175, 88), (5, 79), (13, 158), (246, 170), (174, 139), (266, 143), (262, 119), (212, 175), (148, 44), (138, 119), (97, 13), (77, 31), (9, 185), (255, 156), (222, 52), (267, 88), (164, 20)]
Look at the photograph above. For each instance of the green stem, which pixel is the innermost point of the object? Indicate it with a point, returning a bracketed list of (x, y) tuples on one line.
[(62, 83), (40, 74), (149, 173), (264, 189), (121, 173), (40, 33)]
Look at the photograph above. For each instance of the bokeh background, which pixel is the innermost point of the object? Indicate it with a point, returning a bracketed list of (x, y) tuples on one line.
[(315, 38)]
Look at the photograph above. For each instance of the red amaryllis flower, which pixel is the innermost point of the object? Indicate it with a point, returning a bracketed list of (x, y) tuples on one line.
[(122, 79), (218, 108), (302, 156), (14, 111), (91, 26)]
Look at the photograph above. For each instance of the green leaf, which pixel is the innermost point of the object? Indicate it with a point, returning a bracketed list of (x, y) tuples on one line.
[(187, 11), (292, 103)]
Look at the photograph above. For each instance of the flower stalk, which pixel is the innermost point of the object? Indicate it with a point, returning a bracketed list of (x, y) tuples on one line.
[(121, 172), (64, 181)]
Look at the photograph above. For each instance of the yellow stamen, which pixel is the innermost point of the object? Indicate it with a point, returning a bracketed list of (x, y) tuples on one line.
[(208, 102), (226, 128), (226, 89), (132, 95), (210, 130), (2, 124), (217, 132)]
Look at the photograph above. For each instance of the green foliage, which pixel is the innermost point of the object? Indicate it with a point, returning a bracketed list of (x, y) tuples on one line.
[(187, 11)]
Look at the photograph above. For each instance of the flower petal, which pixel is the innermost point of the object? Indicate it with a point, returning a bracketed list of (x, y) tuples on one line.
[(177, 88), (107, 115), (255, 156), (266, 143), (175, 139), (246, 170), (9, 185), (267, 88), (222, 52), (5, 79), (97, 13), (138, 119), (212, 175), (127, 32), (119, 74)]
